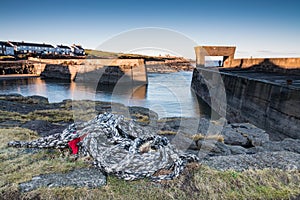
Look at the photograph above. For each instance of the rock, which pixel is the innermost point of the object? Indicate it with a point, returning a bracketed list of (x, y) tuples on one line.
[(39, 99), (24, 105), (86, 177), (44, 128), (282, 160), (288, 144), (10, 124), (214, 148), (244, 134), (144, 116)]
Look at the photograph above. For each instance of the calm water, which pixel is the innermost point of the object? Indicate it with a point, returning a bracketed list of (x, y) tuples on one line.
[(167, 94)]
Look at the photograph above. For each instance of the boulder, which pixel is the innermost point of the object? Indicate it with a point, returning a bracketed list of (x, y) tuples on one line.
[(44, 128), (86, 177), (244, 134), (282, 160)]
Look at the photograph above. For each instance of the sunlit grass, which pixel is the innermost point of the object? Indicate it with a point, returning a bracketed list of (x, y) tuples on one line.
[(166, 132), (198, 137)]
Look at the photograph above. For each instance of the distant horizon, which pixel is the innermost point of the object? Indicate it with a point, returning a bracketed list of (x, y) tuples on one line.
[(257, 28)]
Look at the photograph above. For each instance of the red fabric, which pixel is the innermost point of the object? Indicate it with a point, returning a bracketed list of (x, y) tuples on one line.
[(73, 143)]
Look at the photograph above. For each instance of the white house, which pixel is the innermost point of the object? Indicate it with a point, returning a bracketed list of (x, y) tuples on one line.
[(25, 47), (12, 48), (6, 48), (77, 50), (63, 50)]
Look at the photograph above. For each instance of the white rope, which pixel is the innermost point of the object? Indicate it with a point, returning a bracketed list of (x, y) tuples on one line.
[(120, 147)]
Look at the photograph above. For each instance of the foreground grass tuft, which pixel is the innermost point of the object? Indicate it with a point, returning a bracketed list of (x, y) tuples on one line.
[(166, 132), (199, 136)]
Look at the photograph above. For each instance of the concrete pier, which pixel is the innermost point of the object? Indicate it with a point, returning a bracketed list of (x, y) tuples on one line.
[(266, 93)]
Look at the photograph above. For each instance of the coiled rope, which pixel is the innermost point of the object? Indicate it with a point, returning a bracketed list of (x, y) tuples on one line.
[(120, 147)]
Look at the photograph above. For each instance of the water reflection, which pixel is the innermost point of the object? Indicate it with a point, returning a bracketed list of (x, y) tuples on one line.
[(166, 94)]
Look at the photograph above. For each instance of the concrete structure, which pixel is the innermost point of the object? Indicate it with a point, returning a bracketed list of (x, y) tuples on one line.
[(282, 65), (111, 71), (226, 51), (104, 71), (6, 49), (265, 92)]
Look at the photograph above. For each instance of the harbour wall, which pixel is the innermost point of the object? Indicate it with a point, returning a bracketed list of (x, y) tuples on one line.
[(279, 65), (270, 106), (105, 71)]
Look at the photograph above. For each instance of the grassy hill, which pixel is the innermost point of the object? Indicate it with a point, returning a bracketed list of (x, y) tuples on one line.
[(100, 54), (105, 54)]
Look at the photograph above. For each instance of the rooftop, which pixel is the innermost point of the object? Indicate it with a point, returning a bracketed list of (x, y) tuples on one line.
[(63, 47), (5, 43), (31, 44)]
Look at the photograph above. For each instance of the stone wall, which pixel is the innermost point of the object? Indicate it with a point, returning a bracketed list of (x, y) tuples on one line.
[(272, 107), (15, 67)]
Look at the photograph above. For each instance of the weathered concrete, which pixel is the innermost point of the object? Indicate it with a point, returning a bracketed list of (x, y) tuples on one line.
[(104, 71), (67, 72), (280, 65), (267, 104), (262, 91), (111, 71)]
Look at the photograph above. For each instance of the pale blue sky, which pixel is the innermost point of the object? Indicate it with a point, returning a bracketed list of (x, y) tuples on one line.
[(257, 28)]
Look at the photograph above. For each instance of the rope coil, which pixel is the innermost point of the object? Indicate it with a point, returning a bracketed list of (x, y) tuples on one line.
[(119, 147)]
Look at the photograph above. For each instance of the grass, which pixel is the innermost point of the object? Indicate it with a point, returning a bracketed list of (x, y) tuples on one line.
[(7, 57), (54, 115), (5, 115), (166, 132), (141, 118), (199, 136), (102, 54), (197, 181)]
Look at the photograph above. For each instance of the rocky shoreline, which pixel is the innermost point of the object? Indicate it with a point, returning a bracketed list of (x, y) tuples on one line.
[(238, 147)]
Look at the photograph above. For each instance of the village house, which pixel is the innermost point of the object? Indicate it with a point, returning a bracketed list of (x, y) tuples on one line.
[(25, 47), (77, 50), (63, 50), (6, 48), (14, 48)]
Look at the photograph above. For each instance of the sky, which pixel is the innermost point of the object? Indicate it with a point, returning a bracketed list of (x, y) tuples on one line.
[(258, 28)]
